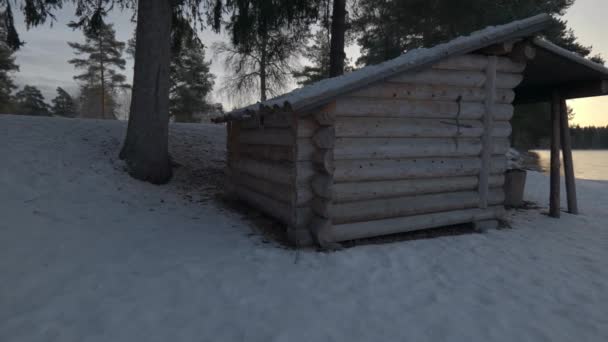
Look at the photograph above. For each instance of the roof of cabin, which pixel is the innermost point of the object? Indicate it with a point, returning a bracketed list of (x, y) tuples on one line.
[(540, 72)]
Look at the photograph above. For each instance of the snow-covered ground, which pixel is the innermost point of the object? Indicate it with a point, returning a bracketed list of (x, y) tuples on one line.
[(89, 254)]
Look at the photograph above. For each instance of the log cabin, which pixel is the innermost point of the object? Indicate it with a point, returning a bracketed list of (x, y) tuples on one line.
[(413, 143)]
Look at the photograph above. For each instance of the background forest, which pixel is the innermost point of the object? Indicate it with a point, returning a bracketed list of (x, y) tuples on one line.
[(266, 47)]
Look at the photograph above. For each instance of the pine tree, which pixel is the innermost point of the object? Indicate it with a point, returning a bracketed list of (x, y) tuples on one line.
[(390, 27), (190, 77), (63, 104), (7, 68), (338, 32), (264, 66), (29, 101), (267, 38), (159, 22), (318, 55), (191, 82), (102, 62)]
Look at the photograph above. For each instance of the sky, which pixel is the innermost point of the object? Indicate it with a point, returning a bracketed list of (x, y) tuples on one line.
[(43, 60)]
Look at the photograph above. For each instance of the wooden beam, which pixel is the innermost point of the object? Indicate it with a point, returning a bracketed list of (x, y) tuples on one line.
[(499, 49), (523, 52), (575, 90), (568, 163), (486, 138), (554, 200)]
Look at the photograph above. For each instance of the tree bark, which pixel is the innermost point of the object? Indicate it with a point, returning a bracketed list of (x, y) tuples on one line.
[(146, 149), (338, 29), (103, 85), (263, 63)]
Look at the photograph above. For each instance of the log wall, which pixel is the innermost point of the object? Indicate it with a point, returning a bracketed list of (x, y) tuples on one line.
[(416, 151), (265, 168), (409, 152)]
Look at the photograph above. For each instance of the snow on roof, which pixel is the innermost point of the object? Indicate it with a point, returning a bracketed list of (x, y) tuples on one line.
[(321, 92)]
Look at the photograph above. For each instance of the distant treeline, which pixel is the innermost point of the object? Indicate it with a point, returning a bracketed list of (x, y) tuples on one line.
[(589, 137), (532, 129)]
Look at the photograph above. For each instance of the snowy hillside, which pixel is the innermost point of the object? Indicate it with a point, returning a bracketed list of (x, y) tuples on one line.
[(89, 254)]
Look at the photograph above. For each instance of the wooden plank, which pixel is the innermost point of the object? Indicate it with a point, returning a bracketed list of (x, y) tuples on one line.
[(405, 91), (324, 137), (365, 127), (501, 48), (357, 191), (322, 186), (323, 160), (554, 201), (388, 148), (486, 138), (276, 191), (306, 128), (279, 210), (305, 149), (523, 52), (394, 169), (568, 162), (397, 108), (479, 62), (271, 153), (270, 136), (508, 80), (377, 209), (460, 78), (359, 230), (275, 172)]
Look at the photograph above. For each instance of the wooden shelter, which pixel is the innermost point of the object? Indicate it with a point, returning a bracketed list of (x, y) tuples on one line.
[(413, 143)]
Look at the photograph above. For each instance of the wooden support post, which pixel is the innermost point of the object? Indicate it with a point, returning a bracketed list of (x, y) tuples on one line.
[(488, 125), (554, 201), (568, 163)]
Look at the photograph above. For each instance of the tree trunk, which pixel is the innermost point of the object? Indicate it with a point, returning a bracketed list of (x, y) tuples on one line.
[(338, 28), (263, 68), (103, 83), (146, 149)]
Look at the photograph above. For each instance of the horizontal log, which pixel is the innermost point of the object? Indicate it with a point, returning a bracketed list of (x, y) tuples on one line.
[(376, 209), (268, 152), (305, 170), (269, 120), (523, 52), (279, 210), (397, 108), (305, 149), (443, 77), (359, 230), (281, 173), (323, 160), (324, 137), (365, 127), (356, 191), (479, 62), (406, 91), (322, 186), (499, 49), (389, 148), (394, 169), (508, 80), (324, 118), (280, 192), (467, 78), (268, 136), (307, 128), (321, 207)]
